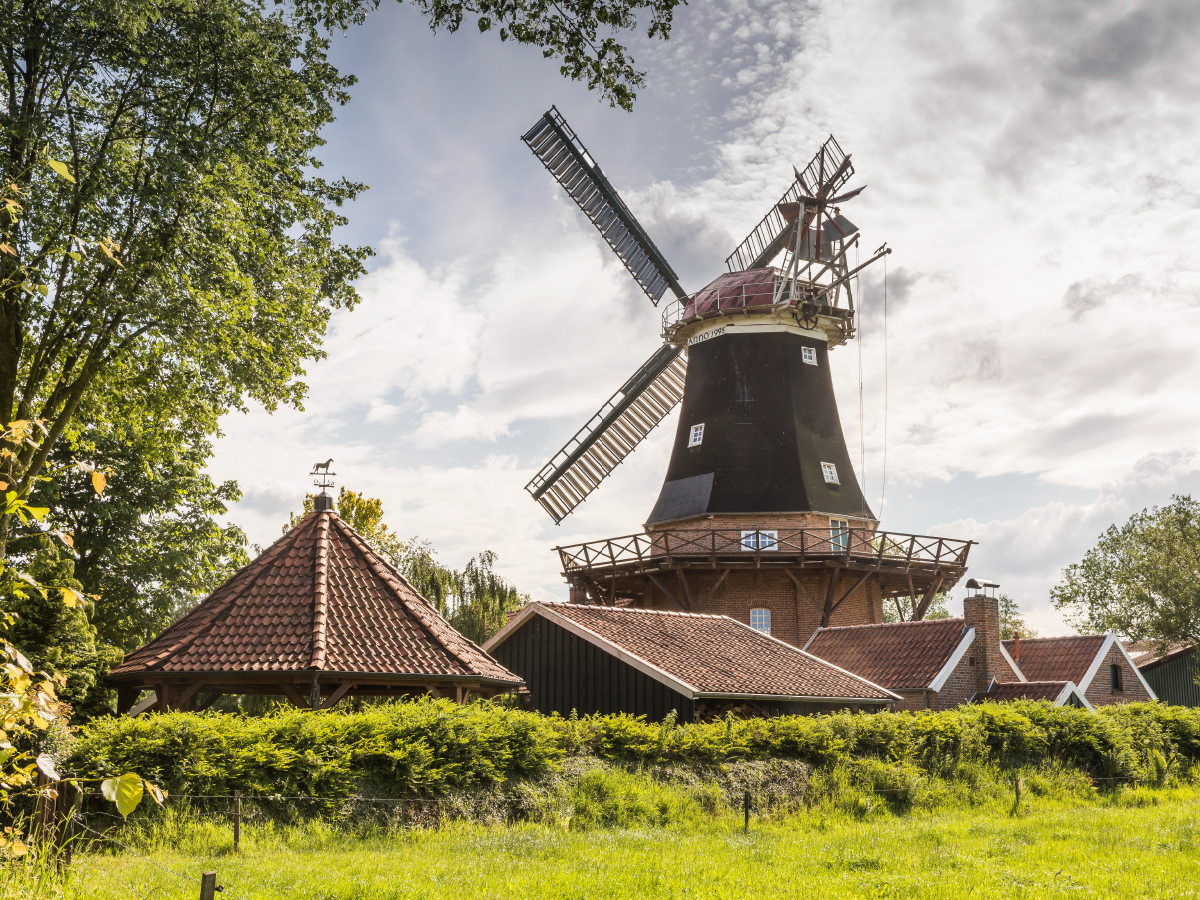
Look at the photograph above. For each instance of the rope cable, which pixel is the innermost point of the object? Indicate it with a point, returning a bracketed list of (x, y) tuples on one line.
[(883, 489), (862, 445)]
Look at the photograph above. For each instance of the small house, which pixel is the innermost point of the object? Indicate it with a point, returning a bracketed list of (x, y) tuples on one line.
[(1098, 664), (1173, 674), (604, 659)]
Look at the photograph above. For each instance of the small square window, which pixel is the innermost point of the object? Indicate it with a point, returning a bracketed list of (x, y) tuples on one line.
[(760, 540), (1115, 672), (829, 470), (760, 620), (696, 436), (839, 534), (809, 355)]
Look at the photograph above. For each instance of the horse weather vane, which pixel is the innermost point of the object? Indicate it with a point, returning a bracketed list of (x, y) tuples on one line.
[(324, 476)]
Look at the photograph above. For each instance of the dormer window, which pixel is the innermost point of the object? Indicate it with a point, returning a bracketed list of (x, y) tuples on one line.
[(696, 435), (809, 355), (829, 470)]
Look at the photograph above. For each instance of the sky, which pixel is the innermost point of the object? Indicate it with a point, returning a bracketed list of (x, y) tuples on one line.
[(1028, 365)]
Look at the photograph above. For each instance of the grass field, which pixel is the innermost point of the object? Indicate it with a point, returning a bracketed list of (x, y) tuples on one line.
[(1140, 843)]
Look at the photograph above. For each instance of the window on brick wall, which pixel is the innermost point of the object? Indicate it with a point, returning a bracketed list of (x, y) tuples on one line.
[(760, 540), (760, 620), (839, 535), (1115, 674)]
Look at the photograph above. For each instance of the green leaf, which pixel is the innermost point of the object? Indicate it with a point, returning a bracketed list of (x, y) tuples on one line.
[(61, 169), (38, 512), (75, 256), (125, 792)]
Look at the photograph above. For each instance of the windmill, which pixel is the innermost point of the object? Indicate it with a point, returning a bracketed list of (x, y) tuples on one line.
[(760, 516), (735, 452)]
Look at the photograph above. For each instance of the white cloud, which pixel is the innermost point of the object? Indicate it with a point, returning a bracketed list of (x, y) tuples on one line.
[(1031, 164)]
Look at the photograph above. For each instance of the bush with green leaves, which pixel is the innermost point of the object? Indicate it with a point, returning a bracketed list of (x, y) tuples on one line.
[(430, 747)]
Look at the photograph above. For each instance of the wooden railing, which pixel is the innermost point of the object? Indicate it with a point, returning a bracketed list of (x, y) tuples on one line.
[(737, 547)]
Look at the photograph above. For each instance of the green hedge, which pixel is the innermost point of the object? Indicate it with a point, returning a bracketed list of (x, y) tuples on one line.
[(434, 746)]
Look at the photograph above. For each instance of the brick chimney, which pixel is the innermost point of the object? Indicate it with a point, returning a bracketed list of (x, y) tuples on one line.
[(983, 614)]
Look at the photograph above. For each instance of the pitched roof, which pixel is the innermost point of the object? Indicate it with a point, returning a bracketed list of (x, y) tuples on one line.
[(1057, 692), (898, 655), (704, 654), (319, 598), (1066, 658), (1150, 654)]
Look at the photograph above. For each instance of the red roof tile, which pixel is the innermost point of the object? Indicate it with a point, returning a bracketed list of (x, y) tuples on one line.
[(1056, 658), (899, 656), (318, 598), (717, 654)]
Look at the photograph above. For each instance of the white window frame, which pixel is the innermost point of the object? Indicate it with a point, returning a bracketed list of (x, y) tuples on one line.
[(839, 535), (764, 617), (808, 355), (760, 539), (829, 472), (696, 435)]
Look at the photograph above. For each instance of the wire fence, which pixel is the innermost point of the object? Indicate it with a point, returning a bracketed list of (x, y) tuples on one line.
[(764, 804)]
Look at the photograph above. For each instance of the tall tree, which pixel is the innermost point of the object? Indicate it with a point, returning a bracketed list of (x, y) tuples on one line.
[(1141, 580), (180, 233)]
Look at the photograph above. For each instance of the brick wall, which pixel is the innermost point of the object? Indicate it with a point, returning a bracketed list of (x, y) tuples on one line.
[(795, 610), (1100, 692)]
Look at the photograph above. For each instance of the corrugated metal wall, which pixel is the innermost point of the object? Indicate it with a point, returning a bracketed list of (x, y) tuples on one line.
[(1175, 682), (565, 672)]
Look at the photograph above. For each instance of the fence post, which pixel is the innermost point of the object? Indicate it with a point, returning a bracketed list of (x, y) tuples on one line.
[(237, 820), (208, 886), (746, 808)]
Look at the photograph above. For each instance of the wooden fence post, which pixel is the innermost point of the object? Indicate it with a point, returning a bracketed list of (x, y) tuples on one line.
[(237, 820), (208, 886), (746, 807)]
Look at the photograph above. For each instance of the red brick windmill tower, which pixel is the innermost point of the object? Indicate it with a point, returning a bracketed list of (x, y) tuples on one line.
[(760, 516)]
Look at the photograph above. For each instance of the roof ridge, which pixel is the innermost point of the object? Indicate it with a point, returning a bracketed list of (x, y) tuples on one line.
[(320, 594), (631, 609), (1059, 637), (829, 628)]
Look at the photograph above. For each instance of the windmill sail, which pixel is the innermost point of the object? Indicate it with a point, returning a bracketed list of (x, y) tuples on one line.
[(611, 434), (561, 151), (828, 170)]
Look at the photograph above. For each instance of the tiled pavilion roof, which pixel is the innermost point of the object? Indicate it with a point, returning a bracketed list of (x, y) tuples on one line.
[(317, 600)]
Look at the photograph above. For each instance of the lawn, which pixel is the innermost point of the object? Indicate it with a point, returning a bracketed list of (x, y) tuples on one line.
[(1137, 843)]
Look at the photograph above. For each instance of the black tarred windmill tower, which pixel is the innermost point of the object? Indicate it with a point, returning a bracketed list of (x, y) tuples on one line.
[(760, 516)]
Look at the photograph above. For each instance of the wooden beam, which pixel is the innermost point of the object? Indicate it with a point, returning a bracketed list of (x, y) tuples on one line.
[(289, 691), (835, 576), (803, 590), (687, 594), (147, 704), (846, 595), (208, 701), (184, 698), (713, 589), (662, 587), (930, 593), (338, 693)]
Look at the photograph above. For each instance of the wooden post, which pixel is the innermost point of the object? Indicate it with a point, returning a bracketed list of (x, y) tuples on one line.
[(66, 832), (208, 886), (237, 820), (746, 807), (1017, 787)]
